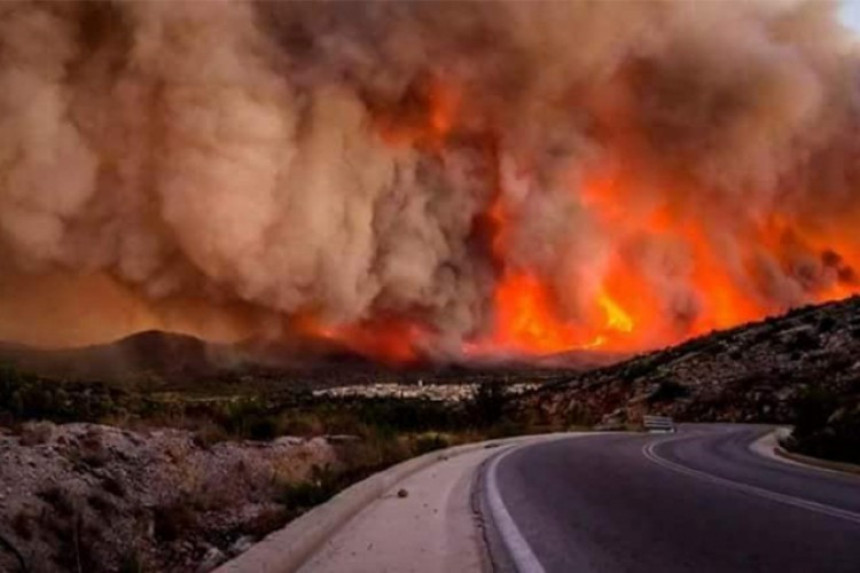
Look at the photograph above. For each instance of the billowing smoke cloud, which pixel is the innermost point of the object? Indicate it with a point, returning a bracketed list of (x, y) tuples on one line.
[(355, 163)]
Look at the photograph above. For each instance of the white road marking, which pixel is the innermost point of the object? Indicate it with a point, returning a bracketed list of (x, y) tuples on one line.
[(521, 553), (650, 454)]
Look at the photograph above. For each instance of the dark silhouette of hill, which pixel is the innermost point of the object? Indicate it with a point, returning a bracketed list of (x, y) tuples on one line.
[(179, 361), (149, 352)]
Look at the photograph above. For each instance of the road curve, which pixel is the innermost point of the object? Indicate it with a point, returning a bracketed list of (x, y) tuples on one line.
[(699, 500)]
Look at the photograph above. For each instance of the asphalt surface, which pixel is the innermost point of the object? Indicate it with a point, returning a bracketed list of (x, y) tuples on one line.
[(698, 500)]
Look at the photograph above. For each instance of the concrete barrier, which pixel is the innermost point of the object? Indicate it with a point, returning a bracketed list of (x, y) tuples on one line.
[(287, 549), (658, 424)]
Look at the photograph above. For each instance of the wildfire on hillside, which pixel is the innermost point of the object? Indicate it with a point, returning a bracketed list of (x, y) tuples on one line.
[(418, 180), (622, 308)]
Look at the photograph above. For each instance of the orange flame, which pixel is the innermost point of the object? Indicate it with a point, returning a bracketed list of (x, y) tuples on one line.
[(528, 315), (616, 318), (424, 119), (528, 319), (393, 340), (623, 306), (626, 312)]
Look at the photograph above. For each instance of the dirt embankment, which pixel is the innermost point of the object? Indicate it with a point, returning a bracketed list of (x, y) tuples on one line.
[(88, 497)]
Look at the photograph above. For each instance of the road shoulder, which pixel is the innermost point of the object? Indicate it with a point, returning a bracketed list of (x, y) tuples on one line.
[(433, 528), (768, 446)]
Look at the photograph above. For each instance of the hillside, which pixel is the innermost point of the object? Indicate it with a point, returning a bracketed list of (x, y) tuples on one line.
[(161, 361), (770, 371), (150, 353)]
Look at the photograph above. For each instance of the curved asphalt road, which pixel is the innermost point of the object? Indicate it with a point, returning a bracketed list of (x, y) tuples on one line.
[(698, 500)]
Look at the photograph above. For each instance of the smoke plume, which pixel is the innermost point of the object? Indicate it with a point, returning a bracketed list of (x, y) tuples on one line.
[(454, 177)]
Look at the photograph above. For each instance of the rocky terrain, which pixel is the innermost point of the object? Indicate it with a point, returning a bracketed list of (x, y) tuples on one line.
[(88, 497), (98, 478), (776, 370)]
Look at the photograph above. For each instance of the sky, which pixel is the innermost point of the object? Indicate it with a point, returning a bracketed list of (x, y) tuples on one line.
[(850, 13)]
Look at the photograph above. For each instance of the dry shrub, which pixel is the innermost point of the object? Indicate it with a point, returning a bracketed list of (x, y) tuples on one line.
[(173, 521), (36, 433)]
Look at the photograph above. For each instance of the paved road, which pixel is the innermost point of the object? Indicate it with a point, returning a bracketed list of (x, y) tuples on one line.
[(698, 500)]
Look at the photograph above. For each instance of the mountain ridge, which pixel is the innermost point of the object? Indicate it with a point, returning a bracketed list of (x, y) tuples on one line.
[(175, 357)]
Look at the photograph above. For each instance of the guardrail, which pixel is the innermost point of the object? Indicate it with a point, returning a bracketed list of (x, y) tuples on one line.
[(658, 424)]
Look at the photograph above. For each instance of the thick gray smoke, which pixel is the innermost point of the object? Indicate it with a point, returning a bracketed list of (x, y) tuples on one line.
[(285, 158)]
